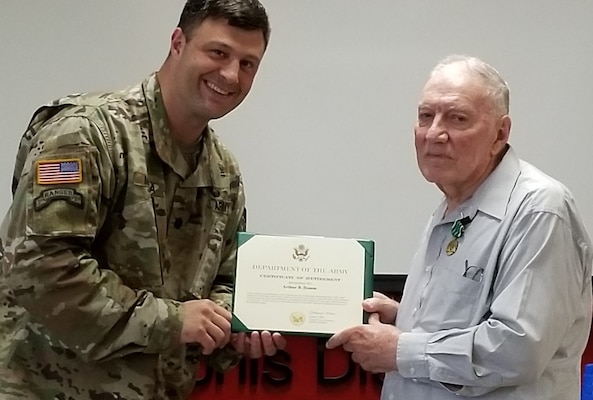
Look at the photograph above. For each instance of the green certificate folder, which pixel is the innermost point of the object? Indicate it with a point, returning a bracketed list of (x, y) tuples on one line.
[(302, 285)]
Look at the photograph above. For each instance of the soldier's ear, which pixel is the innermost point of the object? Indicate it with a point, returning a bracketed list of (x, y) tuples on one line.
[(178, 41)]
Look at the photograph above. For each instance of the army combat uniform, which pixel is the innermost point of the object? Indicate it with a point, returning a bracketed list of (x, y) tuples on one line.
[(110, 228)]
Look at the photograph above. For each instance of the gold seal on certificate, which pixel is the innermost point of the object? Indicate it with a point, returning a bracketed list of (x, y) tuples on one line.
[(308, 285), (297, 318)]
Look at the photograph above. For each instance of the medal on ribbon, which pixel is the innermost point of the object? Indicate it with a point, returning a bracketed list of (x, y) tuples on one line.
[(456, 231)]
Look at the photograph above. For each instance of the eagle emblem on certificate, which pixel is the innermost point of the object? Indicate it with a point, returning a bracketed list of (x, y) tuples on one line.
[(301, 253)]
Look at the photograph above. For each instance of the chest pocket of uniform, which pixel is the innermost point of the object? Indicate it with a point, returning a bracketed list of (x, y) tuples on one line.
[(450, 299), (132, 248), (201, 253), (185, 218)]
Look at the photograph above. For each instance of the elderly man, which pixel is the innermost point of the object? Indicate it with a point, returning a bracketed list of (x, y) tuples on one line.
[(497, 304)]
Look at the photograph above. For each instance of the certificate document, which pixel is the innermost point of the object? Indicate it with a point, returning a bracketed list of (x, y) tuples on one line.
[(306, 285)]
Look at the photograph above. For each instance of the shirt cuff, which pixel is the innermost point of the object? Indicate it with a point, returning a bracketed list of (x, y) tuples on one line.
[(166, 333), (411, 358)]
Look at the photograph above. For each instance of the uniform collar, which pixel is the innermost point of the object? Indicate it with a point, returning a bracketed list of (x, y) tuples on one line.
[(202, 176), (164, 144), (163, 141)]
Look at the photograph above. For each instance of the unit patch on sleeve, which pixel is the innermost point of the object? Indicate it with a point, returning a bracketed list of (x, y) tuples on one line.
[(47, 196), (52, 172)]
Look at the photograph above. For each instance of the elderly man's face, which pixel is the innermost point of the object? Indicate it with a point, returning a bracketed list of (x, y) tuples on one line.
[(459, 133)]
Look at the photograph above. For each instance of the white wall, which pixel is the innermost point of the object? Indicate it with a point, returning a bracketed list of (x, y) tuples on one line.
[(325, 137)]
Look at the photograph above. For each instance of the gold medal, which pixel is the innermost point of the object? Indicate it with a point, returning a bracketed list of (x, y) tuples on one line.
[(452, 247), (457, 230)]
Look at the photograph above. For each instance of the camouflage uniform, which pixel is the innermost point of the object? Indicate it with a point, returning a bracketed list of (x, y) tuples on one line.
[(108, 231)]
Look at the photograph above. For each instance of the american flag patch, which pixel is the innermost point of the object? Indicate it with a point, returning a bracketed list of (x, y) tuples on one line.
[(50, 172)]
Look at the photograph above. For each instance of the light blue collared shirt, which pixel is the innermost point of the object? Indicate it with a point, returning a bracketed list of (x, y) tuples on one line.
[(506, 316)]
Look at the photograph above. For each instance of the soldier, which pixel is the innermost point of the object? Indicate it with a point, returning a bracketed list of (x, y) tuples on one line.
[(119, 245)]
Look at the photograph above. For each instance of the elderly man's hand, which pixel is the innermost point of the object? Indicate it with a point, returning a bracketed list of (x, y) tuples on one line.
[(382, 305), (256, 344), (373, 346)]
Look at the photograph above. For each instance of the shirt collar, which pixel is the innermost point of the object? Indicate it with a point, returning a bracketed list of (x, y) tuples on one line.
[(164, 144), (202, 176), (492, 196)]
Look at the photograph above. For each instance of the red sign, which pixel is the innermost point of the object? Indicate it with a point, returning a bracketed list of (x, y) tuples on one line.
[(305, 370)]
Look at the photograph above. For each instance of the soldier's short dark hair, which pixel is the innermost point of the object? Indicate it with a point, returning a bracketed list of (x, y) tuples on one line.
[(245, 14)]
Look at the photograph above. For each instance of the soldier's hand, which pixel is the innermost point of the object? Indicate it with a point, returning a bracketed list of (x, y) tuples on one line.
[(258, 343), (205, 323)]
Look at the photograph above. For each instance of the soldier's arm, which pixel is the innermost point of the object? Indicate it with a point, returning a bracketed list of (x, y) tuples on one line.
[(53, 225)]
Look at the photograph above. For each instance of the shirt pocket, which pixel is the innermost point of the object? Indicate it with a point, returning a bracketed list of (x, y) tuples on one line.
[(212, 242), (132, 249), (450, 300)]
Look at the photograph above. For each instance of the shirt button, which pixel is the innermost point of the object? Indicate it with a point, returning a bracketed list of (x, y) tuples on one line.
[(412, 370)]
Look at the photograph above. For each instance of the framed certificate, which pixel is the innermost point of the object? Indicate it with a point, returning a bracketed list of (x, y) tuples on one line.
[(304, 285)]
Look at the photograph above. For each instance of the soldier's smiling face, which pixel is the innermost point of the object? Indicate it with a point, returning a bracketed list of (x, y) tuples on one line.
[(215, 66)]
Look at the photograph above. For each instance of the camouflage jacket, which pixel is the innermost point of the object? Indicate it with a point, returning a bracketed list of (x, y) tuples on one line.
[(108, 232)]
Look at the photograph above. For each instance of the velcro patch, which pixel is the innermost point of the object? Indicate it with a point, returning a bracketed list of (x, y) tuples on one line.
[(221, 206), (71, 196), (52, 172)]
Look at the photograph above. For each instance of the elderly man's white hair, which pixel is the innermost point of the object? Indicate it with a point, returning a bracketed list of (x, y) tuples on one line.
[(498, 89)]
